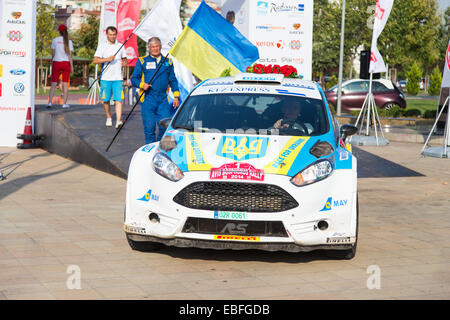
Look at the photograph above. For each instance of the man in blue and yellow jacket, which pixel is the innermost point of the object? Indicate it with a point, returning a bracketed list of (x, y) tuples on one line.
[(155, 105)]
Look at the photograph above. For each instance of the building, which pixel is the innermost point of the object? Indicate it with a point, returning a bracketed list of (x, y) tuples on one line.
[(73, 18)]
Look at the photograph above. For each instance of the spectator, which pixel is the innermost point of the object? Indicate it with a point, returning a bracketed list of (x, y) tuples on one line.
[(62, 63), (112, 54)]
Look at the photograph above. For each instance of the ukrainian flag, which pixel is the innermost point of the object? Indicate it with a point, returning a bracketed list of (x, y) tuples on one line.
[(209, 44)]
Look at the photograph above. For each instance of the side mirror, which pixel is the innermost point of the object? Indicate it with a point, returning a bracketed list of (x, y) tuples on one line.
[(347, 130), (165, 122)]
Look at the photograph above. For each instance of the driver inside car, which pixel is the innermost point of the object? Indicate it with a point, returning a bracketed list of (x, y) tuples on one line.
[(291, 110)]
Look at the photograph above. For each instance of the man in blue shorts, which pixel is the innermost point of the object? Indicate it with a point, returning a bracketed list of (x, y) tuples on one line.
[(111, 76)]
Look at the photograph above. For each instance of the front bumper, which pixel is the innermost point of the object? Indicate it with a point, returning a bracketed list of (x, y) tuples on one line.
[(223, 245)]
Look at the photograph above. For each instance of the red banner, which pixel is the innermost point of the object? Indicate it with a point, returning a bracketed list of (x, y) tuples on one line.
[(128, 13)]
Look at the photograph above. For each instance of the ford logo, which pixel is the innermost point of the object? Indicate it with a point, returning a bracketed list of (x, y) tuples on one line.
[(17, 72)]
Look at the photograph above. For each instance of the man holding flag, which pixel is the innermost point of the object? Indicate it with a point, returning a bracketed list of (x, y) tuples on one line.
[(155, 105)]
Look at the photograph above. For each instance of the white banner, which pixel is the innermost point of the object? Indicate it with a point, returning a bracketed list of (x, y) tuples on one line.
[(164, 22), (107, 18), (17, 66), (281, 29), (382, 12)]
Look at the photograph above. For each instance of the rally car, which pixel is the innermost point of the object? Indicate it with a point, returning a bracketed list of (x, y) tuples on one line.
[(247, 162)]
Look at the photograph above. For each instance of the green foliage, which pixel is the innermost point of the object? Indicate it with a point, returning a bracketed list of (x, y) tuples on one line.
[(414, 32), (332, 82), (435, 82), (85, 39), (412, 113), (430, 114), (414, 76), (394, 112), (325, 36), (45, 29)]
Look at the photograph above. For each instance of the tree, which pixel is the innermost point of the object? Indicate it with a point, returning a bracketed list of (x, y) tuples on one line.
[(45, 31), (325, 37), (358, 29), (414, 77), (435, 82), (85, 39), (411, 34)]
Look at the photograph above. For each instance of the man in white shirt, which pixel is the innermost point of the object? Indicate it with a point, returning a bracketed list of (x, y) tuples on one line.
[(111, 77)]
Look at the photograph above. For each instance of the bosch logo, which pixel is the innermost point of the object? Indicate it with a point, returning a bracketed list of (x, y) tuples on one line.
[(295, 45), (15, 36), (19, 87)]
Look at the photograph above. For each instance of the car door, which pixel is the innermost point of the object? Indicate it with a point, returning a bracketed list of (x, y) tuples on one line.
[(354, 94), (382, 94)]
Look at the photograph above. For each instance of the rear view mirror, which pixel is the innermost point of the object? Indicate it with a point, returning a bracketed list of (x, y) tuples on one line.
[(165, 122), (347, 130)]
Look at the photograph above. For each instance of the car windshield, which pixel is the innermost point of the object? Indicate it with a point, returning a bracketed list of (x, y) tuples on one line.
[(253, 114)]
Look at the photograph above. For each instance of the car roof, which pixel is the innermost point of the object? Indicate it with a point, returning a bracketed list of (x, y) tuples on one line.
[(260, 84)]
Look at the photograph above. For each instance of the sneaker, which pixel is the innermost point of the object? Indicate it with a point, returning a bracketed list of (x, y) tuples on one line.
[(109, 122), (49, 105), (65, 106), (119, 124)]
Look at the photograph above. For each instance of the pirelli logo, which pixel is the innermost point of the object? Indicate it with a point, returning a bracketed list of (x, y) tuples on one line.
[(239, 238)]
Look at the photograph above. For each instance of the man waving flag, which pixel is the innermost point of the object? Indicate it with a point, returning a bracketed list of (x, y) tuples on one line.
[(382, 13), (209, 45), (163, 21)]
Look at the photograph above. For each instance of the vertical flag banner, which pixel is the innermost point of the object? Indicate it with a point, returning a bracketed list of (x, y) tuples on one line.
[(128, 12), (209, 44), (164, 22), (445, 93), (107, 18), (17, 67), (382, 12)]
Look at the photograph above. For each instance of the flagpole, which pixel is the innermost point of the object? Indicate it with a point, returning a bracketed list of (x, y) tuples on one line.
[(341, 60), (135, 104)]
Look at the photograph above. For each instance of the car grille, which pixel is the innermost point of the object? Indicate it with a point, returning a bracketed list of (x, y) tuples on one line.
[(234, 227), (226, 196)]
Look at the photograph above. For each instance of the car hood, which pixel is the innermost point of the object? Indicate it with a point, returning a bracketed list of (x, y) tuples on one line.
[(285, 155)]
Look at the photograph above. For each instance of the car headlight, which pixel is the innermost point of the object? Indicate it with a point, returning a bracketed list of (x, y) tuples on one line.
[(166, 167), (315, 172)]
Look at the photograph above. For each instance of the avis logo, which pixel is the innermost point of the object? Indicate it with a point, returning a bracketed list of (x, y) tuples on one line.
[(330, 204), (149, 196)]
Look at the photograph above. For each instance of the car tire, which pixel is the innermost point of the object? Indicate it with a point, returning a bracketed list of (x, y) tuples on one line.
[(146, 246), (390, 105), (349, 253)]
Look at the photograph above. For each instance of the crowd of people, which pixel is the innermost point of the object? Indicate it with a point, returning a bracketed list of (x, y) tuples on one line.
[(111, 56)]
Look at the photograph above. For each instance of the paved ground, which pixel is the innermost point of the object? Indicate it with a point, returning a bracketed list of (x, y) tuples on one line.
[(57, 216)]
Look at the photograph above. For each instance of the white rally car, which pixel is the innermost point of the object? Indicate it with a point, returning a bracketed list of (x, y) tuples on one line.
[(247, 162)]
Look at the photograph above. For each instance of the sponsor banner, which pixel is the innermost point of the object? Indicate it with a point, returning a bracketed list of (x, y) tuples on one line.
[(127, 20), (237, 171), (281, 29), (382, 13), (107, 18), (17, 65), (445, 92)]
